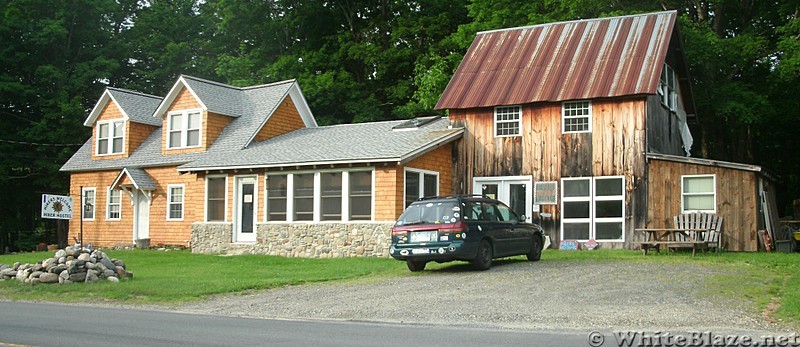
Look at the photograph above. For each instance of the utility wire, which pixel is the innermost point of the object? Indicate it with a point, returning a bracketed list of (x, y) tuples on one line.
[(42, 144)]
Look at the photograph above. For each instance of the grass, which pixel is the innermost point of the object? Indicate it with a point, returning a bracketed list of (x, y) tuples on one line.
[(764, 281), (180, 276)]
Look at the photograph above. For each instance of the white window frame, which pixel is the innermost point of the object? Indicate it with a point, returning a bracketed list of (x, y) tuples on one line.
[(318, 195), (518, 120), (591, 199), (205, 200), (170, 187), (421, 190), (564, 116), (109, 204), (684, 194), (666, 92), (83, 203), (184, 129), (111, 136)]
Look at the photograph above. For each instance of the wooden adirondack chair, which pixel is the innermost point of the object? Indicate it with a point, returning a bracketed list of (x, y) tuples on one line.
[(699, 220)]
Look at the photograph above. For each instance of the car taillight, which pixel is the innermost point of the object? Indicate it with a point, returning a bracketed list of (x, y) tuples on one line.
[(399, 232), (456, 228)]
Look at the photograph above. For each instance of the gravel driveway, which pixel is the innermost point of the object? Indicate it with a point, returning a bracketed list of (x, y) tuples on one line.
[(515, 295)]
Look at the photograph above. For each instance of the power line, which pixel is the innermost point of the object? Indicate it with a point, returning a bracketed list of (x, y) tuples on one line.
[(42, 144)]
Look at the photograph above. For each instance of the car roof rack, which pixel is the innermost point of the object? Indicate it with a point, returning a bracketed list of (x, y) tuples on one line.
[(452, 196)]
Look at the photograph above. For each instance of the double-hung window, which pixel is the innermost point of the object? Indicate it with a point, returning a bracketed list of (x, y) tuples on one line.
[(666, 88), (110, 137), (184, 129), (420, 183), (319, 196), (507, 121), (593, 208), (114, 204), (216, 190), (87, 200), (576, 117), (175, 202), (698, 193), (360, 195)]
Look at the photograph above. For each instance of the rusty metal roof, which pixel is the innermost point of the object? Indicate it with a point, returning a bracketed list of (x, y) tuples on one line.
[(580, 59)]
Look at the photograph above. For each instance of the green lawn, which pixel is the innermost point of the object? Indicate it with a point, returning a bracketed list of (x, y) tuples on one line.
[(179, 276)]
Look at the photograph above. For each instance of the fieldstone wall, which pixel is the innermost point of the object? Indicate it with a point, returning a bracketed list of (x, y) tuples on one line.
[(305, 240)]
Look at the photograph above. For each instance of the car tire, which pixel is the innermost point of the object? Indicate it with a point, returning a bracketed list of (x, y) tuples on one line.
[(483, 260), (536, 249), (415, 266)]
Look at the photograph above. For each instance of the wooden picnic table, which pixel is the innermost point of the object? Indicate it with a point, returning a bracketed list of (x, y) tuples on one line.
[(671, 237)]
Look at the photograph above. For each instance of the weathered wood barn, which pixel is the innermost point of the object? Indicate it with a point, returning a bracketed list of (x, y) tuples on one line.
[(566, 119)]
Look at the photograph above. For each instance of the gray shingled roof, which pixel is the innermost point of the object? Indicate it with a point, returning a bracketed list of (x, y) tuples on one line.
[(253, 105), (218, 97), (139, 106), (375, 142), (139, 177)]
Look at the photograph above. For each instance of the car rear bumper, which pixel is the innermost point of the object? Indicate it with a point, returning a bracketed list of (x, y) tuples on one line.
[(441, 251)]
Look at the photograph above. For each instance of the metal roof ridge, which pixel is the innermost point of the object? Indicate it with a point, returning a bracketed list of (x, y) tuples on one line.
[(130, 91), (575, 21), (271, 84)]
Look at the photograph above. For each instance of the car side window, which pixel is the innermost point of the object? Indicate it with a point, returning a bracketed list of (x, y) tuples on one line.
[(472, 211), (490, 211), (507, 214)]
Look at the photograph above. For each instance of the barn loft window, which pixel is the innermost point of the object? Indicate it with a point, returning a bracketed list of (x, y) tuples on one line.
[(110, 137), (576, 117), (184, 129), (698, 193), (507, 121), (666, 88)]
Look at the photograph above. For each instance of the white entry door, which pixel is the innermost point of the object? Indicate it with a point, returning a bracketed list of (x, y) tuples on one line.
[(246, 209), (141, 214), (514, 191)]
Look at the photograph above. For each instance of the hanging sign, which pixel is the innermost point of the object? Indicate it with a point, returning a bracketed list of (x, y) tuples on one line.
[(56, 206), (545, 193)]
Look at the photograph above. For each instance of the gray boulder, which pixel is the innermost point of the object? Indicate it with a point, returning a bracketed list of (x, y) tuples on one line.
[(107, 263), (113, 279), (48, 278), (78, 277), (61, 253), (85, 257)]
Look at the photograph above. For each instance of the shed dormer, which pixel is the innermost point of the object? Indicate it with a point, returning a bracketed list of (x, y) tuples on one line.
[(121, 120)]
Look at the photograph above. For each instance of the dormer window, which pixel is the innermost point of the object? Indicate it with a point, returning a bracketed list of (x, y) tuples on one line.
[(184, 129), (110, 137)]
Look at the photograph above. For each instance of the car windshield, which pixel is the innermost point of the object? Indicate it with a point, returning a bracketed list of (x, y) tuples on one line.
[(431, 213)]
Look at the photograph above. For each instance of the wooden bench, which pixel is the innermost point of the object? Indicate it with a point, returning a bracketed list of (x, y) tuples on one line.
[(671, 238), (710, 223)]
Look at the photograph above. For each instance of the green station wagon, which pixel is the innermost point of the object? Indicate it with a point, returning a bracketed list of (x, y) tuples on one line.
[(462, 227)]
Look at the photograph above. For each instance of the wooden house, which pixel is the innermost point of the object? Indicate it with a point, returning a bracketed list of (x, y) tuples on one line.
[(564, 120), (228, 169)]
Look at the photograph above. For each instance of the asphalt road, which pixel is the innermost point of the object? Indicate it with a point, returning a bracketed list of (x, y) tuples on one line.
[(39, 324)]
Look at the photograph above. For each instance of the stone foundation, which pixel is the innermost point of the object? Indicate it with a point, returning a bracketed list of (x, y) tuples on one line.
[(305, 240)]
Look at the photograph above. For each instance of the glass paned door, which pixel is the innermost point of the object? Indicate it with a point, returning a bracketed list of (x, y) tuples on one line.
[(246, 207), (514, 191)]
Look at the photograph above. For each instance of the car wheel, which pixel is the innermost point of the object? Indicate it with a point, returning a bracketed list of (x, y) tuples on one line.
[(483, 260), (536, 249), (415, 266)]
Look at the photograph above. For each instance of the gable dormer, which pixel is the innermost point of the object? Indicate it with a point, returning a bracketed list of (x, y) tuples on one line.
[(194, 113), (121, 122)]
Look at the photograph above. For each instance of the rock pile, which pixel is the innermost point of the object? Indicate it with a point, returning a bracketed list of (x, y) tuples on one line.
[(69, 265)]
